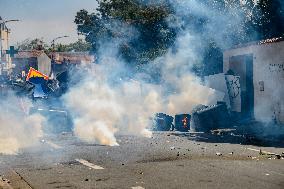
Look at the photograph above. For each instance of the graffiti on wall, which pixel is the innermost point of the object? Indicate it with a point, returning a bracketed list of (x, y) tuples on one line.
[(275, 68), (234, 87), (234, 90)]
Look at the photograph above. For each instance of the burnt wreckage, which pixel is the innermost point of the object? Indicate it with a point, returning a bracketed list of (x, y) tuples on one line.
[(45, 94), (221, 119), (215, 118), (202, 119)]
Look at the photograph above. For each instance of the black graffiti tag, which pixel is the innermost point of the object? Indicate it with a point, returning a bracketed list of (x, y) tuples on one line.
[(234, 87), (276, 67)]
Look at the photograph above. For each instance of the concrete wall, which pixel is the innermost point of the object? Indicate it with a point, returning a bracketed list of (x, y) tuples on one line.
[(268, 69), (44, 64), (4, 44)]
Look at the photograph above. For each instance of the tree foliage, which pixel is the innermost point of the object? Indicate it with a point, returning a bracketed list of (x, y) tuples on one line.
[(142, 30), (242, 21), (139, 27), (268, 21), (78, 46), (32, 44), (39, 44)]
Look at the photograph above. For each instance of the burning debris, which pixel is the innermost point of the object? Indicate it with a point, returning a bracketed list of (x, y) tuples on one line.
[(102, 106), (202, 119), (182, 122)]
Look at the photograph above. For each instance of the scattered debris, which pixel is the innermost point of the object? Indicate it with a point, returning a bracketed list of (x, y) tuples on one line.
[(88, 164), (137, 187), (4, 183), (261, 152), (218, 154), (270, 155), (222, 131), (103, 179)]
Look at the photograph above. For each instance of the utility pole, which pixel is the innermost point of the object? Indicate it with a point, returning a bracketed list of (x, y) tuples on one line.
[(3, 27), (53, 45), (4, 30)]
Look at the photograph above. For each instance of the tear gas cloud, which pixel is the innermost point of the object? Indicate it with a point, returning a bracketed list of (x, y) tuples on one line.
[(104, 103), (18, 128), (111, 99), (102, 107)]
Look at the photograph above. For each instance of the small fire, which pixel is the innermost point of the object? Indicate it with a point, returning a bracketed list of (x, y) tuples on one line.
[(184, 121)]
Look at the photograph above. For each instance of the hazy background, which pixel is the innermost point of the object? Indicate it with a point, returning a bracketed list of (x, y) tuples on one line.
[(41, 18)]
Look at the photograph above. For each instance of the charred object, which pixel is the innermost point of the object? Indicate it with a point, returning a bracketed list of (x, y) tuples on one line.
[(182, 122), (163, 122), (209, 118), (44, 95)]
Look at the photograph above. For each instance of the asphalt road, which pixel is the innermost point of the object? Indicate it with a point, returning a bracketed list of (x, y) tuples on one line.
[(167, 160)]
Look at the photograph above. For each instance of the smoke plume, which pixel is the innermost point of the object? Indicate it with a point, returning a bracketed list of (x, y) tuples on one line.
[(18, 129), (112, 99), (108, 101)]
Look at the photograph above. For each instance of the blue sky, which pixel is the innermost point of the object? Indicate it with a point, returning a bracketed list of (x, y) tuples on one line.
[(43, 18)]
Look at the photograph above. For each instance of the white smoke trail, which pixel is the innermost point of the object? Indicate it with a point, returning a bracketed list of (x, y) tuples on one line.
[(191, 93), (18, 130), (101, 108), (95, 110)]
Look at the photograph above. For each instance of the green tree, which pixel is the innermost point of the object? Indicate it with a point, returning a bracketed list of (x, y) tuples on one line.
[(269, 20), (140, 27), (78, 46), (242, 22), (32, 44), (221, 25)]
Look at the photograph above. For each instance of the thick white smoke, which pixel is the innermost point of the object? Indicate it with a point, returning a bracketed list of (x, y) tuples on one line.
[(96, 111), (176, 71), (18, 129), (102, 107), (100, 110)]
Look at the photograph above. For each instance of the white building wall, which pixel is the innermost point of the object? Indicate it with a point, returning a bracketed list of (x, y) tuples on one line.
[(44, 64), (268, 67)]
